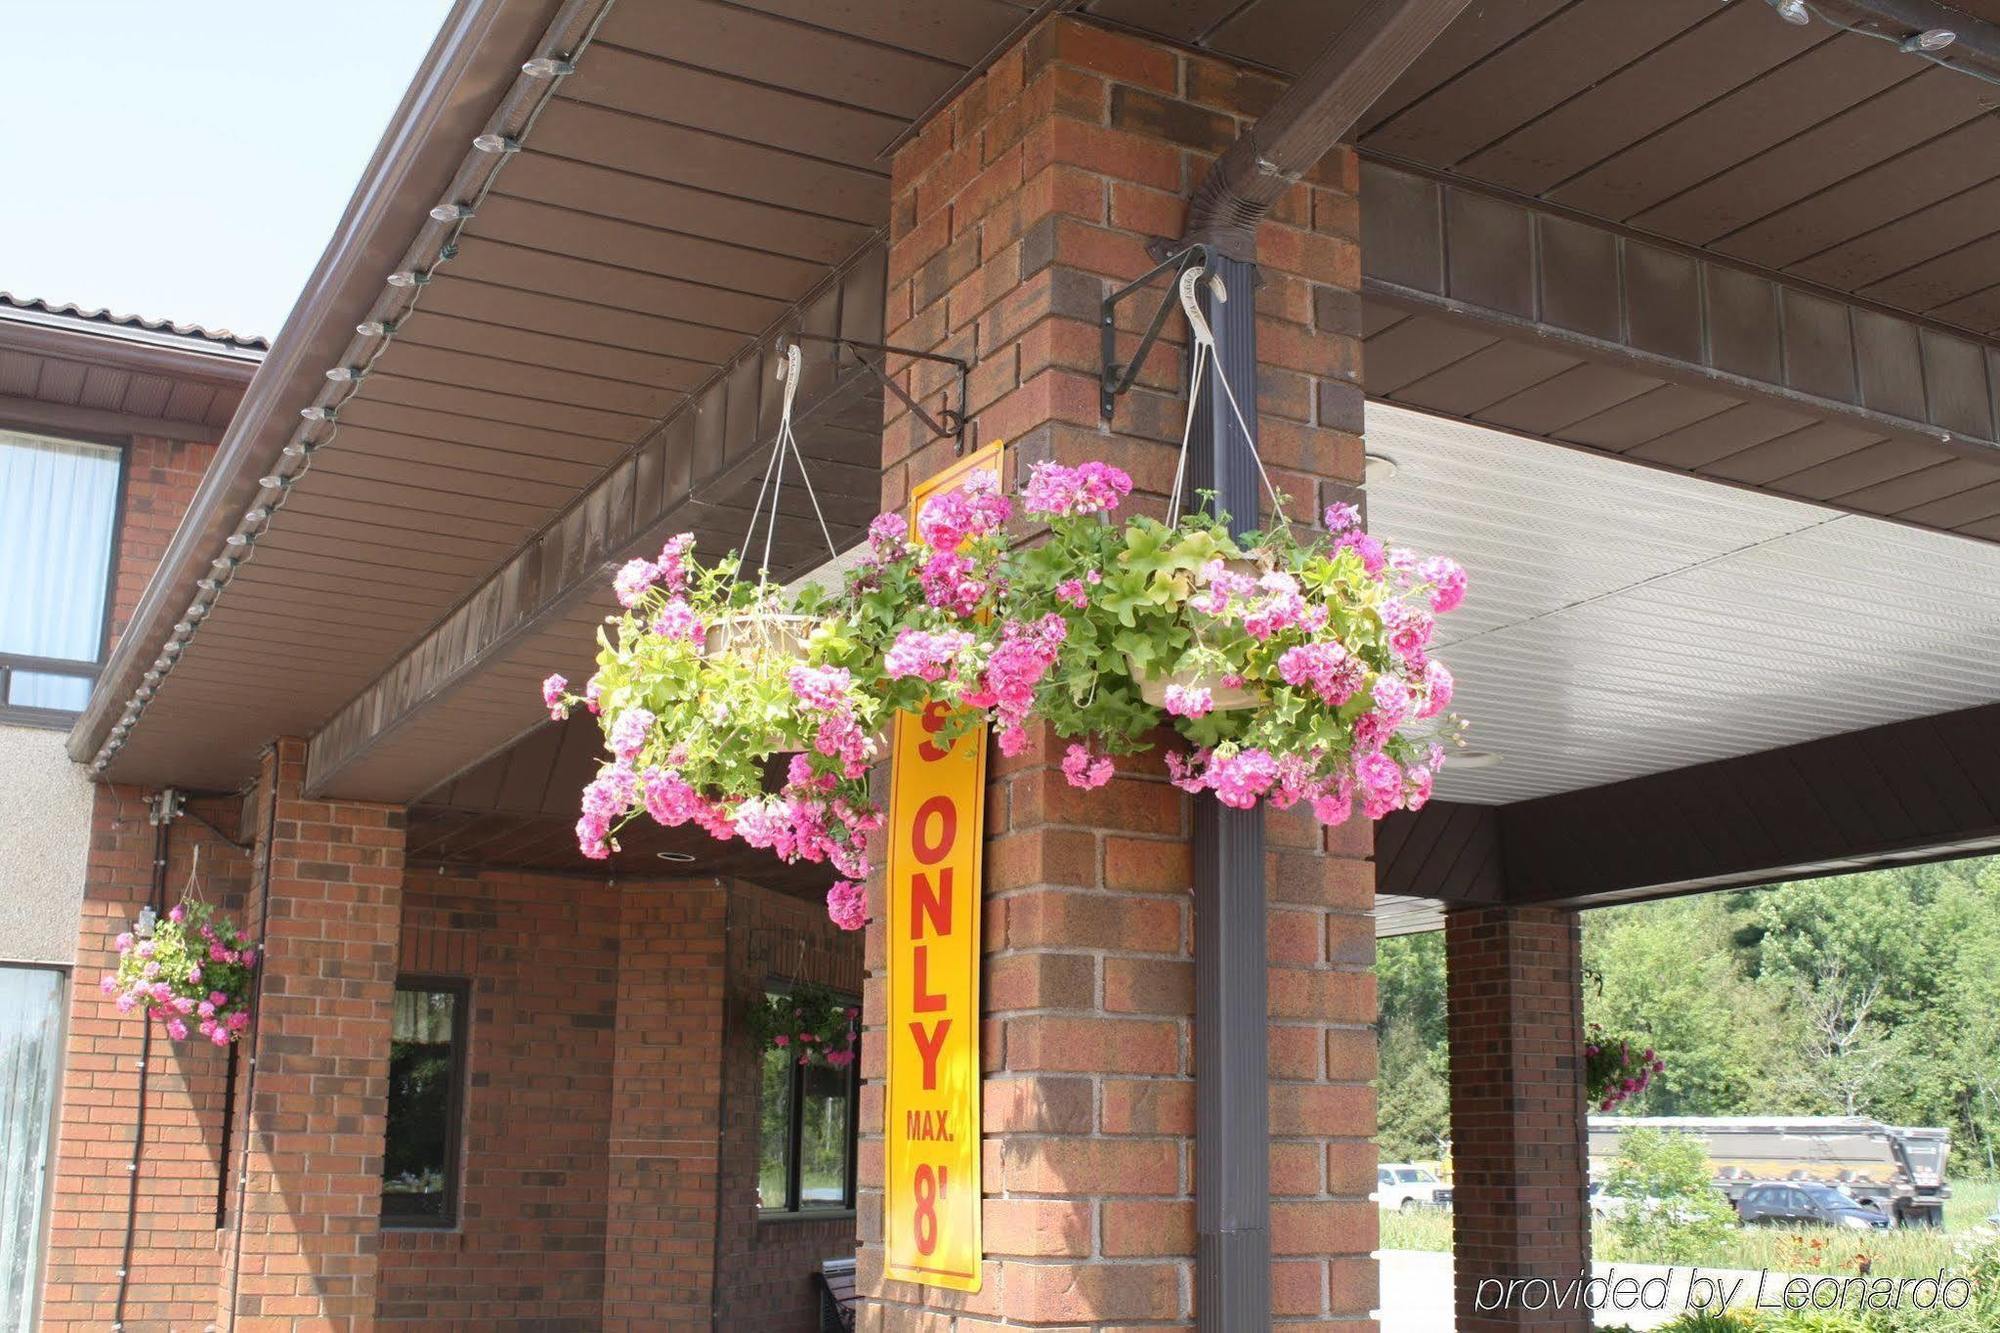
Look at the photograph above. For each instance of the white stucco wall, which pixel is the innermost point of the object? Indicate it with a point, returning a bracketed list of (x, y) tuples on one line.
[(44, 843)]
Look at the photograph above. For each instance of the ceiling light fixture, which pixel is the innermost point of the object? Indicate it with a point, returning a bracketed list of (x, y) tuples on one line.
[(678, 858), (1377, 469), (1474, 759)]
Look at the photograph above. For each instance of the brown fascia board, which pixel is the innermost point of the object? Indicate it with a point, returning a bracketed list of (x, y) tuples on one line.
[(118, 348), (471, 65)]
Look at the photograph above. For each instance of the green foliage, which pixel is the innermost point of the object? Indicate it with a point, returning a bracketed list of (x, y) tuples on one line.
[(808, 1022), (192, 974), (1672, 1212), (1414, 1108)]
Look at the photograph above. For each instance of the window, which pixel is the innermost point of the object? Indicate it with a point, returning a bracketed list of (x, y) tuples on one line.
[(806, 1131), (31, 1043), (426, 1097), (58, 514)]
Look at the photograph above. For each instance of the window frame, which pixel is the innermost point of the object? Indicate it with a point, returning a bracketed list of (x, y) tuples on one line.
[(454, 1133), (793, 1209), (61, 719)]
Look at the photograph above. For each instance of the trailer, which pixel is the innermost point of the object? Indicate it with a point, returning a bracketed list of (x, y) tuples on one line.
[(1898, 1171)]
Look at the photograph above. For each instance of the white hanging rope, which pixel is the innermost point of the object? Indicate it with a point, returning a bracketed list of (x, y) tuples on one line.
[(1205, 360), (774, 471)]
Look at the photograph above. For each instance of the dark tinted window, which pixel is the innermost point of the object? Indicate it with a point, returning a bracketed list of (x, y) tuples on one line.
[(806, 1123), (426, 1089)]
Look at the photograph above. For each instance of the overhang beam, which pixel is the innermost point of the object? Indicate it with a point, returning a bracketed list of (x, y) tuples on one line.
[(1560, 282), (1899, 794)]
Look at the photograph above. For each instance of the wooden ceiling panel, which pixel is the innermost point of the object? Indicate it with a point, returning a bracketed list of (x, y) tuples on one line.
[(1476, 33), (494, 304), (1822, 83), (1742, 426), (1468, 386), (1859, 469), (1667, 408), (1906, 184), (740, 168), (782, 53), (1900, 119), (1185, 21), (466, 484), (700, 99), (1946, 477), (643, 249), (1573, 50), (1732, 46), (103, 388), (534, 381), (395, 386), (692, 212), (1790, 453), (489, 435), (1282, 34), (1564, 400), (593, 283), (1939, 282), (962, 33), (449, 506), (504, 347), (1410, 349), (339, 505)]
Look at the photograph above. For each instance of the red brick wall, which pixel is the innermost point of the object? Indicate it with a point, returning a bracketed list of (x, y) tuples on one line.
[(1013, 212), (306, 1239), (541, 952), (174, 1267), (1519, 1159), (160, 480), (660, 1233), (765, 1267)]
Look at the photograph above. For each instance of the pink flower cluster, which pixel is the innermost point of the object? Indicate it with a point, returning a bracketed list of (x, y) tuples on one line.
[(1612, 1074), (925, 654), (974, 508), (847, 905), (670, 571), (187, 970), (1083, 769), (1055, 491), (1016, 666)]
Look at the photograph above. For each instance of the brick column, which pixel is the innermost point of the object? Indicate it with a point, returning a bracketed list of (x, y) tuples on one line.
[(1518, 1136), (1014, 211), (666, 1114), (309, 1229)]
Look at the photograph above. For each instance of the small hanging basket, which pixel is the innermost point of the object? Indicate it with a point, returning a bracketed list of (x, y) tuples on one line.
[(1153, 687), (759, 632)]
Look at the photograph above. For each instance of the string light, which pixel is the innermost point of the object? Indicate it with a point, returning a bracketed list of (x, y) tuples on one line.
[(300, 448), (1930, 39), (1792, 11)]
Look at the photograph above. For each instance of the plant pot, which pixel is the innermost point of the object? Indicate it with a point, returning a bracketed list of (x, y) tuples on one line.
[(759, 631), (1226, 698)]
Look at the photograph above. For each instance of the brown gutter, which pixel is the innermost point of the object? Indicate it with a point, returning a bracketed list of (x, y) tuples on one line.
[(1304, 124), (474, 61)]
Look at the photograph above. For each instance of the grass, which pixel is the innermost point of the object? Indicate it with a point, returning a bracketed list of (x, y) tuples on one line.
[(1902, 1252)]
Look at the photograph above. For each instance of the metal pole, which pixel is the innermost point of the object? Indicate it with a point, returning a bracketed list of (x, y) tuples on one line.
[(1232, 1190)]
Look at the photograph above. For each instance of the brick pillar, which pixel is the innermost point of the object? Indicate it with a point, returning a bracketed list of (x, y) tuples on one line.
[(666, 1114), (1518, 1136), (1014, 211), (309, 1230)]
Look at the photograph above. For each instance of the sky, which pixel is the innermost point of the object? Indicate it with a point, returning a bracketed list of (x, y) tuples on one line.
[(189, 159)]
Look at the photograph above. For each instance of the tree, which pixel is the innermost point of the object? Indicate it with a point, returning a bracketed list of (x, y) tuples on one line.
[(1671, 1210), (1414, 1103)]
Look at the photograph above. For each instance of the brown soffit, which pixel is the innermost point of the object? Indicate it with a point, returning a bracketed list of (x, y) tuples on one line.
[(474, 62)]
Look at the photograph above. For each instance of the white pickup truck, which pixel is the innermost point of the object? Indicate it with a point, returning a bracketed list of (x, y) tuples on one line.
[(1401, 1185)]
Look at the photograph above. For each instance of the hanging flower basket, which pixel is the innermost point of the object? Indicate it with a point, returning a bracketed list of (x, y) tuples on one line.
[(810, 1022), (191, 974), (759, 632), (1614, 1069), (1225, 693)]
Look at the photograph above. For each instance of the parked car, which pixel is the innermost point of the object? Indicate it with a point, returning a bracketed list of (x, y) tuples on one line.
[(1403, 1185), (1605, 1204), (1805, 1203)]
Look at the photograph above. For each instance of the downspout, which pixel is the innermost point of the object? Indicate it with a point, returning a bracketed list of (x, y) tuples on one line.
[(1232, 1187)]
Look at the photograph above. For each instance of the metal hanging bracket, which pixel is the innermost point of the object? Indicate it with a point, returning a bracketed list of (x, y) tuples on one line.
[(1116, 378), (949, 423)]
